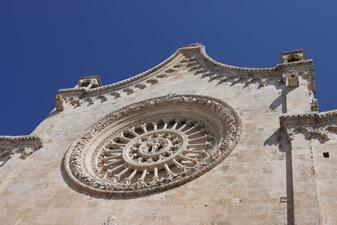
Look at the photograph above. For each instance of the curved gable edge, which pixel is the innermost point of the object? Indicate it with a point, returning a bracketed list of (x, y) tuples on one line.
[(195, 53)]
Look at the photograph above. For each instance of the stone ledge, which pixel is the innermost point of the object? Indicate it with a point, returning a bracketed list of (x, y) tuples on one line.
[(22, 145), (310, 118)]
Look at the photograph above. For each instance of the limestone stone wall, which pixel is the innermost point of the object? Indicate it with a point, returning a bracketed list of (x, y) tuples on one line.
[(259, 182), (326, 179), (313, 146)]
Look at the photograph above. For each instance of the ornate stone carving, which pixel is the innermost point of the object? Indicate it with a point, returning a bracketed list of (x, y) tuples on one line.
[(291, 78), (313, 125), (76, 97), (201, 64), (110, 221), (195, 59), (82, 95), (309, 133), (290, 120), (331, 128), (152, 146), (18, 145)]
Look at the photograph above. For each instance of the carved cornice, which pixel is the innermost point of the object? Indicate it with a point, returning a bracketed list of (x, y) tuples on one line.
[(262, 76), (313, 125), (124, 83), (78, 96), (225, 67), (201, 51), (22, 145), (193, 58), (311, 118)]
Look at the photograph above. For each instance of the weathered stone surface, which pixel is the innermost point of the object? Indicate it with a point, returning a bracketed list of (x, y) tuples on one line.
[(274, 174)]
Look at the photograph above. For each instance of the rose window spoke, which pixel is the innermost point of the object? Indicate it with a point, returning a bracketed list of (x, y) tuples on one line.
[(160, 148)]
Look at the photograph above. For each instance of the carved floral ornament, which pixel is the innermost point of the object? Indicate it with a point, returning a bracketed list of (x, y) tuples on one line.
[(152, 145), (318, 132)]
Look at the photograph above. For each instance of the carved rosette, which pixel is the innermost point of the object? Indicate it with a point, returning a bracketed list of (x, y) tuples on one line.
[(152, 146)]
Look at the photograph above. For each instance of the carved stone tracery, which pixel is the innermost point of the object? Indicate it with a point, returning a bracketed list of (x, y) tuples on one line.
[(153, 145)]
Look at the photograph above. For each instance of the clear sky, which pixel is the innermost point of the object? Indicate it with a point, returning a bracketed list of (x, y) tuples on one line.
[(47, 45)]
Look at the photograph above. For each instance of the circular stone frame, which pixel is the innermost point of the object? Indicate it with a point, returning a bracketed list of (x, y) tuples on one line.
[(82, 154)]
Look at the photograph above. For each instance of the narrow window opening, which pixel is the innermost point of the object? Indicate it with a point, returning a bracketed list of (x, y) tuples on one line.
[(326, 155), (283, 199), (294, 58)]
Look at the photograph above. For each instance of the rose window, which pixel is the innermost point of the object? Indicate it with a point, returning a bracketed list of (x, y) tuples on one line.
[(153, 145), (154, 151)]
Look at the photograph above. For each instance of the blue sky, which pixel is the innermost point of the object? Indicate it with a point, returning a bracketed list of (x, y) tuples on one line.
[(47, 45)]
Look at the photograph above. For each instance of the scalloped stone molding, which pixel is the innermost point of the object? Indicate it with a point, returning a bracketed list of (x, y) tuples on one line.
[(152, 145), (18, 145), (313, 125), (287, 120), (194, 59)]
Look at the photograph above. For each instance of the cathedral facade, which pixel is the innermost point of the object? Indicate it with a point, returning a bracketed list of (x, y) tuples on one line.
[(190, 141)]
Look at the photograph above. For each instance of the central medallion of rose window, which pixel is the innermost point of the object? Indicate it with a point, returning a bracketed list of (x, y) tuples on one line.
[(152, 145), (154, 151)]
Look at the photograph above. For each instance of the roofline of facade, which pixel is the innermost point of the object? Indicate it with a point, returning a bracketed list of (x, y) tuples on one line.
[(198, 50)]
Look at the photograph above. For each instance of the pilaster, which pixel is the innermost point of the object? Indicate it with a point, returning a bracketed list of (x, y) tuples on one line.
[(303, 200)]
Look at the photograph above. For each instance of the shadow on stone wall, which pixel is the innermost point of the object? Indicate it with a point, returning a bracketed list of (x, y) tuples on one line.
[(280, 138)]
